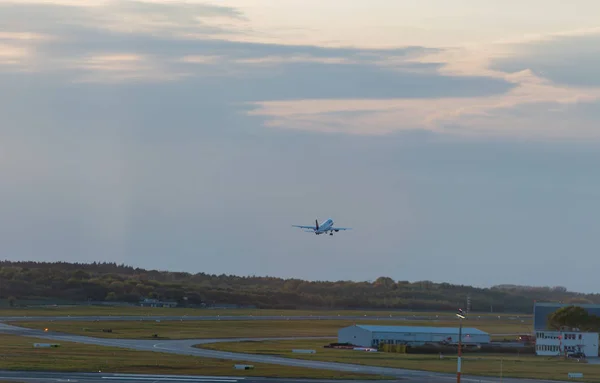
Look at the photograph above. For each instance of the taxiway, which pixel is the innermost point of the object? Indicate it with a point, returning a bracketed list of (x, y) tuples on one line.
[(186, 347)]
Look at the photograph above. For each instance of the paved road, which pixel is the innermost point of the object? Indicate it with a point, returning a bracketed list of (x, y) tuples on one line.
[(53, 377), (185, 347), (245, 318), (76, 377)]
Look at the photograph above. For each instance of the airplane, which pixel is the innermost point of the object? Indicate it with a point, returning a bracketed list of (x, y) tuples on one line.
[(323, 228)]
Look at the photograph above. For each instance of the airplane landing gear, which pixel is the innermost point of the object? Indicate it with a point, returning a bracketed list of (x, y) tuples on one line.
[(330, 233)]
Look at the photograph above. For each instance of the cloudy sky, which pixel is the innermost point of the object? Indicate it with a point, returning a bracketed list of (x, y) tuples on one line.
[(459, 139)]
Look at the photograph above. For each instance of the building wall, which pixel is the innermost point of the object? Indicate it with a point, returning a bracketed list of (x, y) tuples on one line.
[(554, 343), (423, 337), (542, 310), (366, 338), (356, 336), (170, 305), (156, 303)]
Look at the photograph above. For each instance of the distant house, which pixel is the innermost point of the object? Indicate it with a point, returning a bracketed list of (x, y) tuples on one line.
[(148, 302), (230, 306)]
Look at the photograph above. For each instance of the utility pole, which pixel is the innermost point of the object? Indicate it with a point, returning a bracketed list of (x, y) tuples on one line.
[(460, 314), (468, 304)]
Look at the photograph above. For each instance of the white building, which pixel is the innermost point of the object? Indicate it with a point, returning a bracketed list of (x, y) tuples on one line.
[(372, 336), (554, 343), (149, 302)]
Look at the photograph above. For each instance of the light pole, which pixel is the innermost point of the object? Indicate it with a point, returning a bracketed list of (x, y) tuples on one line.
[(460, 316)]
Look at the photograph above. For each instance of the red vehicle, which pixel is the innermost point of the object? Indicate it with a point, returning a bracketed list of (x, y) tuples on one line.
[(528, 339)]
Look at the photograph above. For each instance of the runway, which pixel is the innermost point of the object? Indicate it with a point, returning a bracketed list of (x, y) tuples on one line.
[(185, 347), (242, 318), (77, 377), (54, 377)]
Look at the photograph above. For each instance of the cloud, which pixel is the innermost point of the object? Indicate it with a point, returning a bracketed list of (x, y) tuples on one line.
[(199, 59), (119, 68), (12, 54), (491, 115), (172, 41), (58, 33), (480, 116), (17, 48), (124, 16), (571, 59), (341, 90)]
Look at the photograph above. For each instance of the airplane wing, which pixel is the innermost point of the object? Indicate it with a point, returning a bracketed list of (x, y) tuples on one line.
[(340, 228), (304, 227)]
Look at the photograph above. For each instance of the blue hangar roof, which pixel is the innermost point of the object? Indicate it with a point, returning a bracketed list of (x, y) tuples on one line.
[(422, 329)]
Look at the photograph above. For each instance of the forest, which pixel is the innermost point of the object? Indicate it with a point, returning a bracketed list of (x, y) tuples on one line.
[(105, 281)]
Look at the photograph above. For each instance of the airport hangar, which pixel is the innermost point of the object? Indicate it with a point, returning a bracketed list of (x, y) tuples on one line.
[(373, 336), (541, 310)]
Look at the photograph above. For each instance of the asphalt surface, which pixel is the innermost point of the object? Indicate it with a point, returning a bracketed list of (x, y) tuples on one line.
[(243, 318), (76, 377), (46, 377)]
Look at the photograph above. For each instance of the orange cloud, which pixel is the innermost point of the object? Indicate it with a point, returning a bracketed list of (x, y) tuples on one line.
[(476, 115), (11, 54)]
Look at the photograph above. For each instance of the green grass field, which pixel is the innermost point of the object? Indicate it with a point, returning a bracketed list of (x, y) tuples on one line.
[(246, 329), (98, 310), (18, 353), (483, 365)]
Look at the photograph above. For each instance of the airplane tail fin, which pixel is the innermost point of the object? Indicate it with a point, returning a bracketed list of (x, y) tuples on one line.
[(317, 224)]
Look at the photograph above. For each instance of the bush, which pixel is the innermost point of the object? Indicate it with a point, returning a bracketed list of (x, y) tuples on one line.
[(453, 350), (507, 350)]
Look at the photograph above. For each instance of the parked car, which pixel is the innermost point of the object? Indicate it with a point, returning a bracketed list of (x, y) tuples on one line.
[(576, 354)]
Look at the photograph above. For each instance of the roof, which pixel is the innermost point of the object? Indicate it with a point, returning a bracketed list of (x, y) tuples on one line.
[(567, 331), (422, 329), (559, 305)]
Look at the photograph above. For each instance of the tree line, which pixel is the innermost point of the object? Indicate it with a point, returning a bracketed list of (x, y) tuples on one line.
[(574, 317), (105, 281)]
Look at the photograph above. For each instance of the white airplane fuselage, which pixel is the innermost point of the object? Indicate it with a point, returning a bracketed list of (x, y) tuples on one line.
[(325, 227)]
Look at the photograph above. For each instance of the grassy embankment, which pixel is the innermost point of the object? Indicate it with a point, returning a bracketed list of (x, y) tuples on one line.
[(18, 353), (247, 329), (515, 366)]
